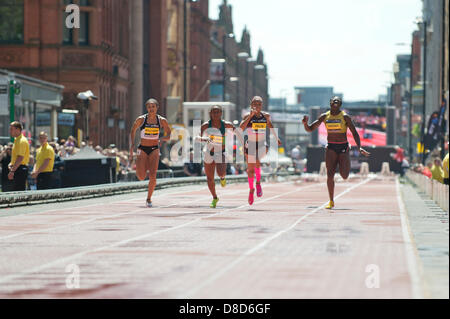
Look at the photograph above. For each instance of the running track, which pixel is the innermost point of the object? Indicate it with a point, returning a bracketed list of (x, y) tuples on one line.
[(284, 246)]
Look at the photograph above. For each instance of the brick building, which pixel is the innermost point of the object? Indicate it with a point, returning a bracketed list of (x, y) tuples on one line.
[(94, 57)]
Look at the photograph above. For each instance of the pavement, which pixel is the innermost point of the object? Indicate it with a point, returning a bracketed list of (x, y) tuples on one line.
[(286, 245), (430, 228)]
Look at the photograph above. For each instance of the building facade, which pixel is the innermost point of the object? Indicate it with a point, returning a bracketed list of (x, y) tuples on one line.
[(93, 57), (309, 96), (236, 75)]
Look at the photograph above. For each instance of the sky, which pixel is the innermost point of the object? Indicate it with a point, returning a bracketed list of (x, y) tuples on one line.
[(348, 44)]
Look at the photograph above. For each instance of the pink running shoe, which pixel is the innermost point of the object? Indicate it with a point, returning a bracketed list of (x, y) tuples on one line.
[(258, 190), (251, 198)]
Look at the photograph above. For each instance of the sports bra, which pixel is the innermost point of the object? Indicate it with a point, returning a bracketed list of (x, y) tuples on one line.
[(218, 139), (150, 131), (257, 125), (335, 123)]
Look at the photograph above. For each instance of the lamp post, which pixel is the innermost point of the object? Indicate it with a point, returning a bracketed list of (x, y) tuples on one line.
[(224, 53), (249, 60), (185, 94), (257, 67), (235, 79), (241, 55), (423, 23), (410, 89), (86, 97)]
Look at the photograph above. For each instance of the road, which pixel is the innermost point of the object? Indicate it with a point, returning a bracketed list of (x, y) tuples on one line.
[(284, 246)]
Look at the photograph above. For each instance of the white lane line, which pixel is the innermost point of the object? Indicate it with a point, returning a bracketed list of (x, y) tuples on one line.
[(225, 269), (140, 237), (106, 217), (412, 256), (93, 205)]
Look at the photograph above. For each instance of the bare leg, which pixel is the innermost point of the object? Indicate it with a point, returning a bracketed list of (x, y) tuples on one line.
[(153, 161), (344, 165), (331, 160), (141, 165), (251, 163), (210, 172)]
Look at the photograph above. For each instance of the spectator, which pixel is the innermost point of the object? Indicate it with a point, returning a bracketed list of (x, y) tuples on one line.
[(426, 170), (5, 159), (71, 141), (58, 167), (437, 171), (445, 169), (20, 156), (45, 159), (192, 169), (404, 166)]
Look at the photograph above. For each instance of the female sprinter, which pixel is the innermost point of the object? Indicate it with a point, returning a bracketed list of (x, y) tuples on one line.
[(215, 155), (337, 150), (256, 123), (150, 126)]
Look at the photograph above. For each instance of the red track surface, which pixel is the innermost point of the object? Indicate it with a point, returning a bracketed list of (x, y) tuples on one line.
[(284, 246)]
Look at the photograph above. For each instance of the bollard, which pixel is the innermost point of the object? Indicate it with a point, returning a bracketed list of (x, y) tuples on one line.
[(364, 170), (385, 169)]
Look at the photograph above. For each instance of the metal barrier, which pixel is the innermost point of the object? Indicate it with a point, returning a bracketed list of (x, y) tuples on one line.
[(435, 190), (12, 199)]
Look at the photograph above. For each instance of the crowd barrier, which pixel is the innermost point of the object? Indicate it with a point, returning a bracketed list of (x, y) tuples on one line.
[(12, 199), (435, 190)]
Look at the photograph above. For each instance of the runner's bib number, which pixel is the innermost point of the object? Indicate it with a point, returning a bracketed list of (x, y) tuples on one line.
[(259, 128), (152, 131), (216, 139)]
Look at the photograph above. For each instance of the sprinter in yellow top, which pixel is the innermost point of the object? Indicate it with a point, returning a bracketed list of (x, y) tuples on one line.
[(337, 123)]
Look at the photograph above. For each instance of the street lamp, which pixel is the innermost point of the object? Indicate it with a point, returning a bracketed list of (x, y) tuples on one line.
[(410, 89), (257, 67), (86, 97), (240, 55), (422, 22), (249, 60), (236, 79), (185, 47), (224, 53)]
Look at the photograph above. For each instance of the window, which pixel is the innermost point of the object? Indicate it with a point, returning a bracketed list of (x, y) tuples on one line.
[(67, 32), (83, 33), (11, 21), (85, 3), (76, 36)]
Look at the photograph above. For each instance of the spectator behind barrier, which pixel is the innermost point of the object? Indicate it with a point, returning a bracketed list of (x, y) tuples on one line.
[(445, 169), (426, 170), (5, 159), (437, 171)]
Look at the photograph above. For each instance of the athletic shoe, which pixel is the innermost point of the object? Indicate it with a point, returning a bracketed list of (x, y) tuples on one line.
[(259, 192), (214, 203), (223, 182), (251, 198), (149, 204), (330, 205)]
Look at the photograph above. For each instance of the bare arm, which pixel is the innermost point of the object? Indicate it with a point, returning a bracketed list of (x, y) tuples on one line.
[(44, 165), (269, 123), (136, 124), (314, 125), (243, 125), (202, 131), (167, 130), (352, 128)]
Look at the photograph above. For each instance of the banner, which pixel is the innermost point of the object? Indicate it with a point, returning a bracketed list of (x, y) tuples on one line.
[(436, 127)]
